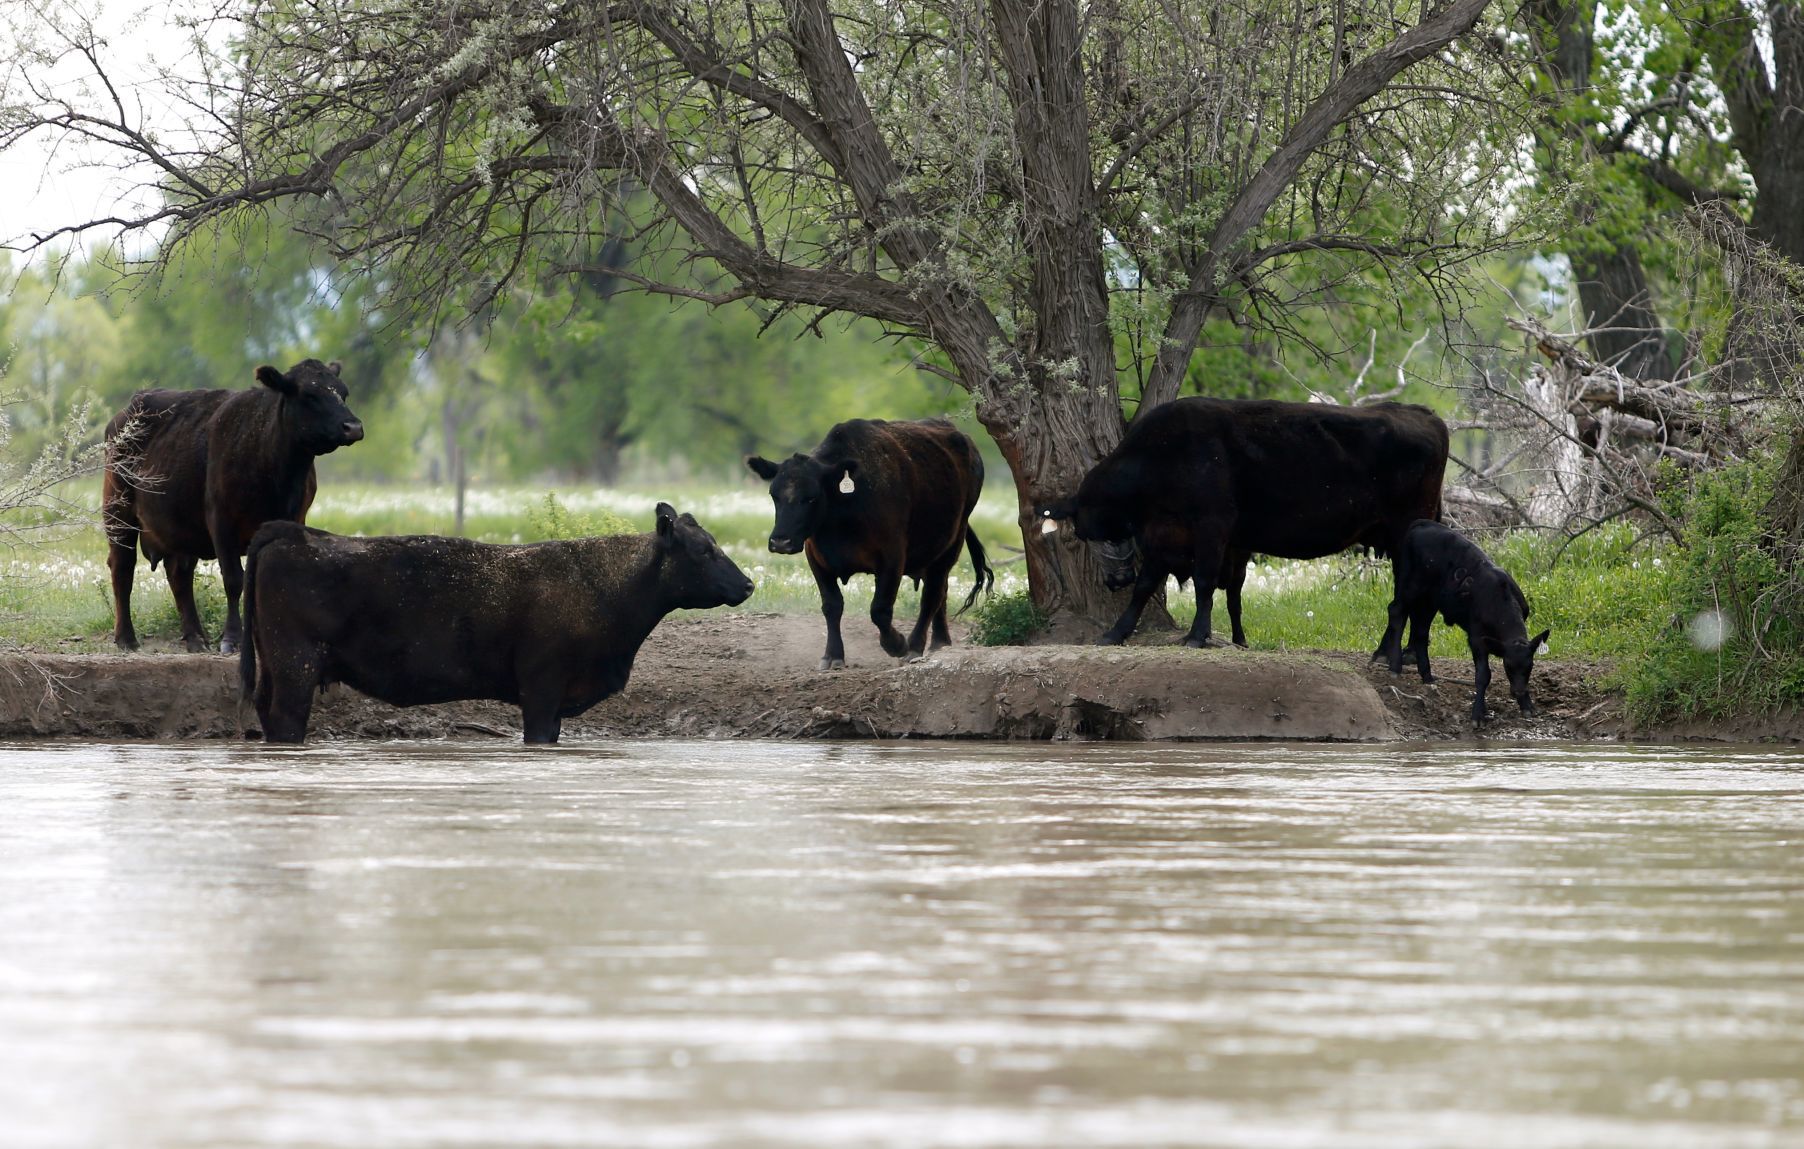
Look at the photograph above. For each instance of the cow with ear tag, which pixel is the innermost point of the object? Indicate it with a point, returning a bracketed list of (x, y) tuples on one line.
[(191, 475), (1438, 570), (552, 627), (888, 499)]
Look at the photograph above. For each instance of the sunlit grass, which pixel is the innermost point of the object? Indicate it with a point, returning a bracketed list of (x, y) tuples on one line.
[(1603, 597)]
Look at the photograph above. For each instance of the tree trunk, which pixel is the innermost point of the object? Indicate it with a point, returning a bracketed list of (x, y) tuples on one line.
[(1613, 289), (1048, 457), (1614, 293)]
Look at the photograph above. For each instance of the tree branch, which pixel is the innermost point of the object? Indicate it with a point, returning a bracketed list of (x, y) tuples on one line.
[(1357, 84)]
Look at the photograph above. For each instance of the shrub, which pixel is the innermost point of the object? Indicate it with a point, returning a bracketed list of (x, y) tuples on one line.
[(1006, 620), (552, 520), (1731, 641)]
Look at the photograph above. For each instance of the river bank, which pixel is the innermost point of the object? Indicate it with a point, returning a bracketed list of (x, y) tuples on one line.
[(751, 674)]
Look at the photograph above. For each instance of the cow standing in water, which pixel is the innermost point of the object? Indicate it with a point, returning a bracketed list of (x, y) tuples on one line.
[(552, 627), (191, 475), (1197, 486), (889, 499), (1438, 570)]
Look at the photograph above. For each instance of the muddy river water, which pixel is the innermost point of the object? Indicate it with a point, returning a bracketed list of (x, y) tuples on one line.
[(775, 944)]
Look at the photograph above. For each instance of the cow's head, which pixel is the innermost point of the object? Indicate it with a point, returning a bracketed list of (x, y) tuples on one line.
[(693, 570), (802, 488), (1092, 524), (314, 405), (1518, 656)]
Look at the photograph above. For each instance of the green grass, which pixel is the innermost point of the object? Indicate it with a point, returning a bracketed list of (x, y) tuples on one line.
[(1602, 597)]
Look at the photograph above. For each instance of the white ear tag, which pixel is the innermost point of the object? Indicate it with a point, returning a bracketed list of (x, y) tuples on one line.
[(1049, 526), (1542, 649), (846, 486)]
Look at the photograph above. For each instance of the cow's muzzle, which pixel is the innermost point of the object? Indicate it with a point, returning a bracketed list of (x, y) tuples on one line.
[(783, 546), (353, 431)]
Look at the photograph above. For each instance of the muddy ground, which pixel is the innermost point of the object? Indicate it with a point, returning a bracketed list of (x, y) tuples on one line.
[(731, 675)]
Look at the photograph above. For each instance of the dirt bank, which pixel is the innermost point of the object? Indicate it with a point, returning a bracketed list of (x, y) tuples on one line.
[(726, 675)]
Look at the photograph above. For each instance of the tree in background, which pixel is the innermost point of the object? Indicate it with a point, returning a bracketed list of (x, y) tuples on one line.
[(1016, 184)]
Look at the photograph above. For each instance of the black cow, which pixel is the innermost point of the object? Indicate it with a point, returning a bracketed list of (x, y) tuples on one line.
[(889, 499), (1440, 570), (550, 626), (1197, 486), (191, 475)]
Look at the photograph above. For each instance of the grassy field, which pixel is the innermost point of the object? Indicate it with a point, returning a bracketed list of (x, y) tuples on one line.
[(1602, 596)]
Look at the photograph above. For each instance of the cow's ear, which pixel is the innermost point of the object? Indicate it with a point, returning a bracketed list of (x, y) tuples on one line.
[(667, 518), (335, 367), (275, 380), (1536, 643), (761, 466)]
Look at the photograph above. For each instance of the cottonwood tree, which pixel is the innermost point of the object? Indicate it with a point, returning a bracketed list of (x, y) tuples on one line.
[(1051, 196)]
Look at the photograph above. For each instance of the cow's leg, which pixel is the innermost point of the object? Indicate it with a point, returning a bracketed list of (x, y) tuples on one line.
[(833, 605), (1234, 576), (1420, 621), (231, 573), (1481, 681), (1390, 647), (883, 609), (541, 721), (942, 630), (122, 560), (1152, 576), (933, 604), (180, 571), (1205, 575), (285, 694)]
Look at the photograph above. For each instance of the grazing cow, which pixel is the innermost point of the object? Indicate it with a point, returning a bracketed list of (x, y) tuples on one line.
[(1440, 570), (889, 499), (191, 475), (552, 627), (1197, 486)]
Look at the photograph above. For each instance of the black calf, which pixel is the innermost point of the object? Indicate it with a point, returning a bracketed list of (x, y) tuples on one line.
[(1439, 570)]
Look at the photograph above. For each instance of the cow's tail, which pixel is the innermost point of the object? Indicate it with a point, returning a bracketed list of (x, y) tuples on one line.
[(980, 566)]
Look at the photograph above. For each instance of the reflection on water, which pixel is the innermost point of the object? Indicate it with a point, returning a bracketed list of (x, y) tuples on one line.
[(900, 945)]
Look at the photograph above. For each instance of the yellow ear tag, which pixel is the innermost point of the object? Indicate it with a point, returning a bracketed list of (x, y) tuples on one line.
[(1049, 526), (846, 486)]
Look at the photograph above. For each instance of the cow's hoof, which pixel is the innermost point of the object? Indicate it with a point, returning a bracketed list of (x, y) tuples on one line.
[(227, 646), (1111, 640), (914, 656), (894, 644), (195, 645), (1428, 680), (1195, 643), (126, 644), (833, 664)]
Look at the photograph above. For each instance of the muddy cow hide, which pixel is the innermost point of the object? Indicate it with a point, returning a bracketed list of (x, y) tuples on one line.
[(552, 627), (1197, 486), (191, 475), (1437, 570), (889, 499)]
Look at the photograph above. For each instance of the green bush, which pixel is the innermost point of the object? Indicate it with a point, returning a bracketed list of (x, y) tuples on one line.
[(1006, 620), (1730, 643), (552, 520)]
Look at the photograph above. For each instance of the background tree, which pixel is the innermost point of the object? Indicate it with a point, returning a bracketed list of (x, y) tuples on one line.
[(1014, 183)]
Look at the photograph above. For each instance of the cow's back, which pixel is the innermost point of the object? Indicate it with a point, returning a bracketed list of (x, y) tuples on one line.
[(419, 619), (1297, 480), (916, 484), (157, 466)]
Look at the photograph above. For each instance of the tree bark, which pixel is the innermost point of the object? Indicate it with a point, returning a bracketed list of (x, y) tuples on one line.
[(1613, 289)]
